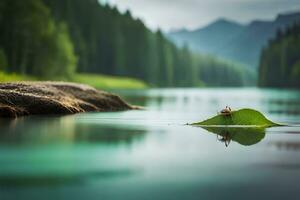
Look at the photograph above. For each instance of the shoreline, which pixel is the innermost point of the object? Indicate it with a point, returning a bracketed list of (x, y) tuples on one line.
[(45, 97)]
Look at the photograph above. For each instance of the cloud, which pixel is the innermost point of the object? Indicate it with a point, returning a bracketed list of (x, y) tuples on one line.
[(191, 14)]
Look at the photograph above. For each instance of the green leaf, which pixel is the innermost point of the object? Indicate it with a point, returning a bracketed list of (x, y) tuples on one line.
[(244, 136), (243, 117)]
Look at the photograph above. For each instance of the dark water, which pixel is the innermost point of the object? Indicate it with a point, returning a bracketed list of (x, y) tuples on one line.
[(151, 154)]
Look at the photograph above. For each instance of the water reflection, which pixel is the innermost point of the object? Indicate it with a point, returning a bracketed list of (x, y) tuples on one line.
[(151, 153), (286, 145), (57, 179), (244, 136), (55, 151), (47, 130)]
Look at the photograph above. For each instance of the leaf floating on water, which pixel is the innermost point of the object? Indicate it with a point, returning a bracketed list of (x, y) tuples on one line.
[(243, 117)]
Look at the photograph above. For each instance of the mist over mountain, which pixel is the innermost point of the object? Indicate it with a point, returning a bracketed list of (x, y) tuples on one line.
[(232, 40)]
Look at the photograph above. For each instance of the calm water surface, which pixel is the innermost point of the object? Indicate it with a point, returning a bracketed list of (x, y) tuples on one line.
[(152, 154)]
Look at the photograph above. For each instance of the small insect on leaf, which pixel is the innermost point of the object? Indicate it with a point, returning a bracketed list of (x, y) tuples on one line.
[(244, 117)]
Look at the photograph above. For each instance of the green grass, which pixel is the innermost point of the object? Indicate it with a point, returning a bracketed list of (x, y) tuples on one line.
[(4, 77), (109, 82), (97, 81)]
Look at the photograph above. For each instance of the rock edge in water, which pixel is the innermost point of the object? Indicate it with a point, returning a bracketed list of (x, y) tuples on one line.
[(42, 98)]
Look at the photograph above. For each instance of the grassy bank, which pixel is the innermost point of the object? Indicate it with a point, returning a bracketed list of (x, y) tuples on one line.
[(4, 77), (109, 82), (97, 81)]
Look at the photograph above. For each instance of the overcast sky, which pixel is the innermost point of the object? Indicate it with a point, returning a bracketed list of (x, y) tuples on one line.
[(191, 14)]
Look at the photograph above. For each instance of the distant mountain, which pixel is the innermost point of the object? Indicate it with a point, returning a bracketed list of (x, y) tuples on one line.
[(231, 40)]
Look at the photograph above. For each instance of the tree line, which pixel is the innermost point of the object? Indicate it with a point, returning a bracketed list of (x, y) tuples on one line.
[(280, 60), (57, 38)]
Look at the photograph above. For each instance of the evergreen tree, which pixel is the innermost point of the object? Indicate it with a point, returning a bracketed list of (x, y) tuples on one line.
[(3, 60), (56, 38), (279, 63), (32, 41)]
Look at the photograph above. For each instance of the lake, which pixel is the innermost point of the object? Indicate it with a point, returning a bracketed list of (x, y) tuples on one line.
[(151, 153)]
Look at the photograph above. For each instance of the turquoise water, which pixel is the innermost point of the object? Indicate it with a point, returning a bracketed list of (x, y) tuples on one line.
[(152, 154)]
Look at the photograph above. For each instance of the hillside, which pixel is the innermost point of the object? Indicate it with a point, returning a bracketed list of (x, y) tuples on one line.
[(280, 60), (57, 39), (232, 40), (209, 36)]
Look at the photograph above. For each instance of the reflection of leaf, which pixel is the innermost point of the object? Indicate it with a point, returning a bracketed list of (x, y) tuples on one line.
[(244, 136), (243, 117)]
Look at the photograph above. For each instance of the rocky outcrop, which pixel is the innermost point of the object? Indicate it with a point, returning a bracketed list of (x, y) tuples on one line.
[(44, 98)]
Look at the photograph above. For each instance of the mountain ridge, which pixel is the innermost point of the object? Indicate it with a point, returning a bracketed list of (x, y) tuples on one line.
[(232, 40)]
